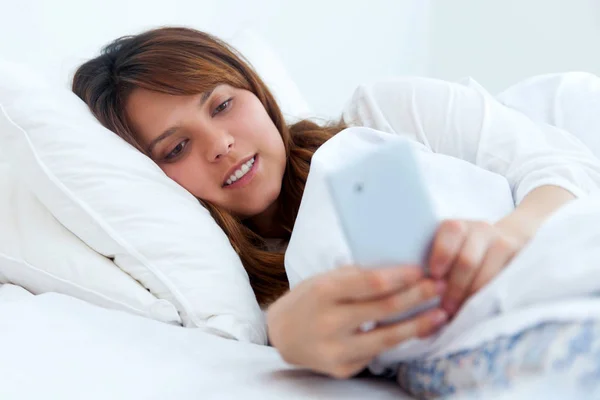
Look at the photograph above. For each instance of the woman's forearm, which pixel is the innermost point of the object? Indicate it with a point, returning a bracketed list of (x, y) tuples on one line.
[(534, 209)]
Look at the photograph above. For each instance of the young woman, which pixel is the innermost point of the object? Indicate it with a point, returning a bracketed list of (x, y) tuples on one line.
[(193, 105)]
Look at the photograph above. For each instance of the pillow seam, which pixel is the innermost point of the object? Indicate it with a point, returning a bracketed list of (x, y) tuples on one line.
[(75, 285)]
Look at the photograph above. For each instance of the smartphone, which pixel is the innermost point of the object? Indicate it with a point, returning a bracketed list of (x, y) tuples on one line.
[(385, 209)]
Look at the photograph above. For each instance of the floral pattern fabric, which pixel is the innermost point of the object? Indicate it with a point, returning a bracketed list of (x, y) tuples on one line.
[(571, 349)]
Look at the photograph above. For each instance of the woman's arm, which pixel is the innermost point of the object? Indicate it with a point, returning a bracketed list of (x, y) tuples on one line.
[(463, 122), (469, 254), (535, 208)]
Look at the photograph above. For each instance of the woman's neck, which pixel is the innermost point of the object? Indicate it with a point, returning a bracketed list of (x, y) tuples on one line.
[(266, 223)]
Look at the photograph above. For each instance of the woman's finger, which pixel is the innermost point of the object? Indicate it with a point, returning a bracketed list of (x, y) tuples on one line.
[(354, 315), (350, 284), (448, 240), (497, 257), (465, 268), (369, 344), (348, 370)]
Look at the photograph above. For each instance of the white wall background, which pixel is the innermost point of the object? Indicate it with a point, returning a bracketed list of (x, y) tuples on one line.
[(501, 41), (329, 46)]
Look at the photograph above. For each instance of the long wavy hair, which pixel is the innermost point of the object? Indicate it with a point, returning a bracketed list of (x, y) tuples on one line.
[(183, 61)]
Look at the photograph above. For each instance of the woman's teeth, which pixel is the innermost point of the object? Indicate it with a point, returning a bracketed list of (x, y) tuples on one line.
[(239, 173)]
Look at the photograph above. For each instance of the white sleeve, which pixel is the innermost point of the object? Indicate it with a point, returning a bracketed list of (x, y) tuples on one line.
[(466, 123)]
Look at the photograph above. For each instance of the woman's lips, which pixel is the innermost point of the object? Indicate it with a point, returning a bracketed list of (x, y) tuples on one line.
[(247, 178)]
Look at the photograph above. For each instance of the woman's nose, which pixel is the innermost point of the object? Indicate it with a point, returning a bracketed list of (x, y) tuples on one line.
[(222, 144)]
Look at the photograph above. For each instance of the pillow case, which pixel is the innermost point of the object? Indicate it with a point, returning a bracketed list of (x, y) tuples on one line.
[(40, 255), (124, 207)]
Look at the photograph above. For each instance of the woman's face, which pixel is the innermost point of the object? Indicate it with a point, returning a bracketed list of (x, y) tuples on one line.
[(220, 145)]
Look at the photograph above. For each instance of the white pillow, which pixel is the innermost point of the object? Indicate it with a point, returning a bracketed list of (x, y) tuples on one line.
[(123, 206), (40, 255)]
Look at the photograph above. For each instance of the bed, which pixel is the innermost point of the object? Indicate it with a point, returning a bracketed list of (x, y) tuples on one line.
[(58, 347)]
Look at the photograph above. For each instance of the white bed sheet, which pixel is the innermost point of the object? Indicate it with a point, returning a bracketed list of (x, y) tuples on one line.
[(57, 347)]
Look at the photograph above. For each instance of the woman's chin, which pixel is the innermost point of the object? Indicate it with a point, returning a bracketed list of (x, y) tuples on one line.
[(260, 213)]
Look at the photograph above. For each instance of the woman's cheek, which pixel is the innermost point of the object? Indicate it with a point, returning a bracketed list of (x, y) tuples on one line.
[(185, 176)]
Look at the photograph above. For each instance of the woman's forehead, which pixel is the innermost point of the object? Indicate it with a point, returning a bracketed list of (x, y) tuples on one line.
[(148, 111)]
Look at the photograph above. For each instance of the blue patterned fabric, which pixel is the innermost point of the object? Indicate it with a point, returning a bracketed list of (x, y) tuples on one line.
[(571, 349)]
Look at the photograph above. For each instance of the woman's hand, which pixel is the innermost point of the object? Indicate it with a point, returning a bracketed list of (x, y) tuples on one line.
[(469, 254), (317, 324)]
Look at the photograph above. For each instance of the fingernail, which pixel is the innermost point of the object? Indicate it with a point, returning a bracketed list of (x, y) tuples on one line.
[(450, 306), (437, 270), (439, 317), (440, 287)]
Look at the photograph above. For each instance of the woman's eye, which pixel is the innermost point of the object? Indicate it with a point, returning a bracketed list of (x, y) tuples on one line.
[(176, 151), (221, 107)]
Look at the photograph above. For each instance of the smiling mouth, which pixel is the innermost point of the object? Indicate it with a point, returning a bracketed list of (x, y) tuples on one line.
[(244, 171)]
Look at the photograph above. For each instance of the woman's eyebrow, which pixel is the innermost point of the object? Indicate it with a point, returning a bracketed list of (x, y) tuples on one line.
[(162, 136), (170, 131), (206, 95)]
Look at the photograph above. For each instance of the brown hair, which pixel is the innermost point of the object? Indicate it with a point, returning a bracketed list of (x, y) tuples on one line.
[(183, 61)]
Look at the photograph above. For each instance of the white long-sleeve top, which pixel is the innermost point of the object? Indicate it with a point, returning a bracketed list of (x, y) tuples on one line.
[(465, 122)]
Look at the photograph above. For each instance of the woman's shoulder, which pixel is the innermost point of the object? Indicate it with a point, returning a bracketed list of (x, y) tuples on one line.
[(420, 107), (406, 92), (379, 104), (408, 85)]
